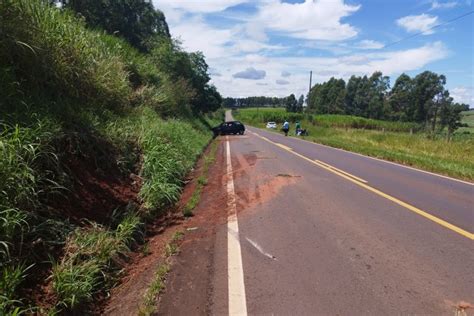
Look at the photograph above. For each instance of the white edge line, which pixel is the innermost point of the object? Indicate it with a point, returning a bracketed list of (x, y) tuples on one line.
[(379, 159), (235, 272)]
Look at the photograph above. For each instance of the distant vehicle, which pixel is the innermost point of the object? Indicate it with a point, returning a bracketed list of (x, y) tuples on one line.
[(227, 128), (271, 125)]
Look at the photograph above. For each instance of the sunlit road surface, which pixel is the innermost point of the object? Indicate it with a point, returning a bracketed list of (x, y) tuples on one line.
[(327, 232)]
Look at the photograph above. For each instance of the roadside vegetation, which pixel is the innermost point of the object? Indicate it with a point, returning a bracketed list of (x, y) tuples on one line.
[(97, 130), (201, 180), (383, 139), (467, 122), (421, 101), (148, 305)]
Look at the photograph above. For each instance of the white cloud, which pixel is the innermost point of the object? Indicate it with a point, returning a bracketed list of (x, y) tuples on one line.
[(206, 6), (390, 63), (250, 73), (418, 23), (313, 20), (196, 35), (463, 95), (443, 5), (243, 50), (369, 44), (407, 60)]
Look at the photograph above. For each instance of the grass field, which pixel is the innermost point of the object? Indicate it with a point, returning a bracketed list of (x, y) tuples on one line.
[(415, 149), (468, 118)]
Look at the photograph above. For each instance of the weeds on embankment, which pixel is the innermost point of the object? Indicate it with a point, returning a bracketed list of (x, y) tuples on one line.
[(60, 82), (414, 149), (94, 254), (201, 181), (148, 305)]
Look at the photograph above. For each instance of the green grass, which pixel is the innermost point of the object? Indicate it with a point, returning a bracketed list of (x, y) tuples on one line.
[(201, 181), (93, 255), (279, 115), (467, 118), (169, 150), (61, 81), (418, 150), (158, 284), (172, 247), (148, 305)]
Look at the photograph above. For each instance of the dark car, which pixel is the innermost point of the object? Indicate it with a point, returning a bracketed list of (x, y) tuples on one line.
[(227, 128)]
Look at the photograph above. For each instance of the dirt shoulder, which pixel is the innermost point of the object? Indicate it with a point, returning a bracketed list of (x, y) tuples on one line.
[(126, 298)]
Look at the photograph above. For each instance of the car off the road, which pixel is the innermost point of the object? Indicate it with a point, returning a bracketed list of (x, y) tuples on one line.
[(271, 125), (228, 128)]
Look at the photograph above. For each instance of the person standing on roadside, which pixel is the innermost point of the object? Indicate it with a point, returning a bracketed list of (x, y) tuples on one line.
[(286, 127)]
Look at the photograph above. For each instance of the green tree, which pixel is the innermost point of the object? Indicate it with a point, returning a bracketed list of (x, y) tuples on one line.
[(362, 97), (291, 103), (351, 91), (299, 105), (137, 21), (378, 87), (427, 85), (190, 69), (450, 117), (401, 99), (335, 96)]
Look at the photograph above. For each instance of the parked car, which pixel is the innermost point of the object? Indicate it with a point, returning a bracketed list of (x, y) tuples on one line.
[(227, 128), (271, 125)]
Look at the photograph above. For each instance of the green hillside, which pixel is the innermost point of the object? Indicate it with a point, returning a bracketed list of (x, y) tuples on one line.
[(96, 134)]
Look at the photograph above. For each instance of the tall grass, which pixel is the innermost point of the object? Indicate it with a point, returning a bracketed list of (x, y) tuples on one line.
[(91, 254), (169, 150), (59, 80), (328, 120)]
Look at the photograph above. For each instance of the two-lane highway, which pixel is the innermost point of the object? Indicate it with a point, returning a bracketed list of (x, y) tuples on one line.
[(447, 198), (320, 231)]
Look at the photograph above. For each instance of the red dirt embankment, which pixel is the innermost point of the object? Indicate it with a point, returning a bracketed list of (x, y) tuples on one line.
[(96, 187), (127, 297)]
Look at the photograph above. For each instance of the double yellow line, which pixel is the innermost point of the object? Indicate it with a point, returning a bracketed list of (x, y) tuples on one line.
[(363, 183)]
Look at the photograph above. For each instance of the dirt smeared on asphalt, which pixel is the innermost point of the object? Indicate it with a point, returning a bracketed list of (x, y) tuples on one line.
[(192, 284), (189, 288)]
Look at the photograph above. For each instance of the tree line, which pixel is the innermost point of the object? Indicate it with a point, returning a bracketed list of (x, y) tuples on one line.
[(145, 28), (290, 102), (422, 99), (253, 102)]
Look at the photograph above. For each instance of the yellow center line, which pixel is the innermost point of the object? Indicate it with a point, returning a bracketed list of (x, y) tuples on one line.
[(378, 192), (283, 146), (341, 171)]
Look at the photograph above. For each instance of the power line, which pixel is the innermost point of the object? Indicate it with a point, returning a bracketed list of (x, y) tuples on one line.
[(433, 27)]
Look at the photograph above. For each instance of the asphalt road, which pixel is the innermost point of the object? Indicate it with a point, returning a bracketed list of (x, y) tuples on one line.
[(327, 232)]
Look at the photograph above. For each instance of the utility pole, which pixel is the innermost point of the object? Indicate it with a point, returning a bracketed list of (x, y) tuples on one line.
[(310, 83)]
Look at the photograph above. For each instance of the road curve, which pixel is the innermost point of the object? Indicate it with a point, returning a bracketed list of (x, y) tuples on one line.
[(321, 233)]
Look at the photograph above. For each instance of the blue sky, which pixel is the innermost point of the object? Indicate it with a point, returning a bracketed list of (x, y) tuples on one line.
[(268, 47)]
